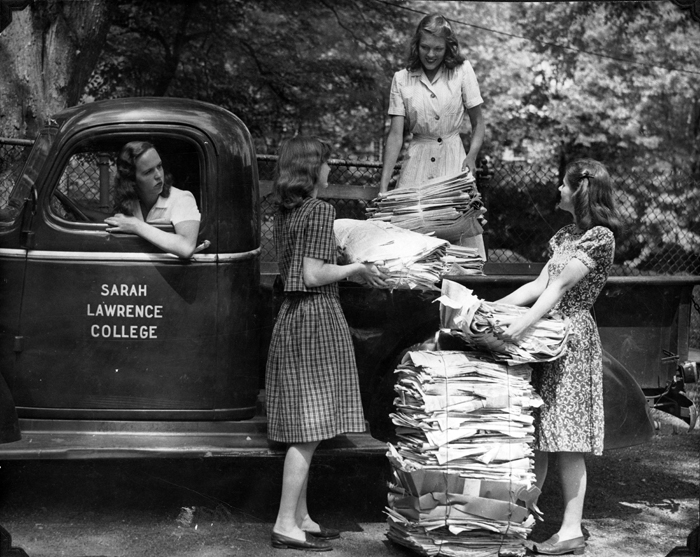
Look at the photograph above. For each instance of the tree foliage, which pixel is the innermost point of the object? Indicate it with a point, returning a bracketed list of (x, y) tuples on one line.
[(310, 66), (616, 81), (612, 82)]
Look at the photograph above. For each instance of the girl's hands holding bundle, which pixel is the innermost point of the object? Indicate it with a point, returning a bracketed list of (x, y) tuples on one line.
[(371, 274)]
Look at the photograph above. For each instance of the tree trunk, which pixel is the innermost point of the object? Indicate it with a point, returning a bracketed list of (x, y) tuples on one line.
[(47, 55)]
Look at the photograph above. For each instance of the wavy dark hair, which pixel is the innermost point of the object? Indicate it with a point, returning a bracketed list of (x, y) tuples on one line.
[(298, 169), (593, 199), (438, 26), (125, 193)]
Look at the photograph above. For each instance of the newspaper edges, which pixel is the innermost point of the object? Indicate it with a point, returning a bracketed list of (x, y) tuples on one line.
[(477, 323), (437, 206), (463, 483), (409, 259)]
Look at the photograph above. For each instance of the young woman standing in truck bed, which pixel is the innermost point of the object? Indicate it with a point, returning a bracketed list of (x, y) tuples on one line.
[(311, 381)]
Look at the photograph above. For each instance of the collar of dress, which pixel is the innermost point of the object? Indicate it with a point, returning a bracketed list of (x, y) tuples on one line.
[(160, 202), (420, 74)]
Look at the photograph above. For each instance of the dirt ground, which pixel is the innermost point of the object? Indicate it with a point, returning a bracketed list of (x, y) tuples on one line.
[(642, 501)]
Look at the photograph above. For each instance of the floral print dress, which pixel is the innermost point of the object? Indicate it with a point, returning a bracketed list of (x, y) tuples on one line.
[(571, 419)]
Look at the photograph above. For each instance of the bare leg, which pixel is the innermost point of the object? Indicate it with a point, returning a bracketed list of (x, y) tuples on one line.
[(294, 482), (541, 467), (302, 515), (572, 473)]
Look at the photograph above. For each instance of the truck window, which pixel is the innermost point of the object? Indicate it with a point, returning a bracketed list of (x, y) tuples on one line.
[(85, 188), (84, 191), (11, 207)]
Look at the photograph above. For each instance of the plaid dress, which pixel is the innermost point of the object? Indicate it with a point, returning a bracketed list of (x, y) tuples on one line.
[(311, 379)]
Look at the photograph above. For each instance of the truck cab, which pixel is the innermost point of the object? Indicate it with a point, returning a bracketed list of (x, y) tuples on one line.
[(106, 328), (113, 349)]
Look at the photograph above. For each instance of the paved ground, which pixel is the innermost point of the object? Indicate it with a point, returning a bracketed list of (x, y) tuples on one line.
[(642, 501)]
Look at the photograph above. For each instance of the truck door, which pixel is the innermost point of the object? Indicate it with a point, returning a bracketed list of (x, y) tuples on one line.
[(110, 326)]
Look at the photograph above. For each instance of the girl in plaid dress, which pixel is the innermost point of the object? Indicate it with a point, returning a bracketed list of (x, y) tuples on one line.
[(571, 421), (311, 379)]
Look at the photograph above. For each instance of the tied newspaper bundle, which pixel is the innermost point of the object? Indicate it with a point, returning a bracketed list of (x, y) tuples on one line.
[(438, 206), (477, 323), (463, 480), (410, 260)]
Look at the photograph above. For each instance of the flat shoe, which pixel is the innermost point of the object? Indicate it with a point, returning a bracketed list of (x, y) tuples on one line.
[(554, 547), (309, 544), (326, 533)]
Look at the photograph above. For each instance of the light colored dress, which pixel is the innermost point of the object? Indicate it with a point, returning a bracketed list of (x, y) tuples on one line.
[(572, 419), (311, 381), (434, 114), (179, 206)]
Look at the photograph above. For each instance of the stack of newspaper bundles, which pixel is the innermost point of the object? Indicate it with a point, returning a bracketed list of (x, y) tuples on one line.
[(463, 480), (436, 205), (463, 476), (477, 323), (409, 259)]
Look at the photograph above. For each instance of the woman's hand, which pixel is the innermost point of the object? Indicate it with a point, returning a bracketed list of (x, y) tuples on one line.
[(515, 331), (470, 163), (123, 223), (182, 243), (372, 275)]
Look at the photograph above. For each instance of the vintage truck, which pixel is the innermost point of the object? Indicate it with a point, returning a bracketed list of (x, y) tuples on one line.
[(113, 349)]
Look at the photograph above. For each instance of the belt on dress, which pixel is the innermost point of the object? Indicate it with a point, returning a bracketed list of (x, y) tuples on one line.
[(425, 138)]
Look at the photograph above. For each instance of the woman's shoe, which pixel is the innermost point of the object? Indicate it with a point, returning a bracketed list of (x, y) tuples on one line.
[(309, 544), (326, 533), (586, 533), (554, 547)]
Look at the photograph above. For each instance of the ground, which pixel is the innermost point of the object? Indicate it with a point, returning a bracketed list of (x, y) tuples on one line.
[(642, 501)]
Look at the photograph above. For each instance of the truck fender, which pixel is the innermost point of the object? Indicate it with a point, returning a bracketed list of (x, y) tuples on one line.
[(627, 419)]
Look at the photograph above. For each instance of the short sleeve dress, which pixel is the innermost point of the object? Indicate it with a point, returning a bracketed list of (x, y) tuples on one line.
[(311, 381), (572, 419), (179, 206), (434, 113)]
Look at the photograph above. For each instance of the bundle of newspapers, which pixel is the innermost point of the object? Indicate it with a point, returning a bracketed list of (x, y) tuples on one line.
[(478, 324), (410, 260), (463, 480), (435, 207)]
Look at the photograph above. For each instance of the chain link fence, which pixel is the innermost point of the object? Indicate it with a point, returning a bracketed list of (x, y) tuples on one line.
[(660, 211)]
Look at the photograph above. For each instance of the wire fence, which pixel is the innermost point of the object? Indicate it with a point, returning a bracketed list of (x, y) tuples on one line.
[(661, 234)]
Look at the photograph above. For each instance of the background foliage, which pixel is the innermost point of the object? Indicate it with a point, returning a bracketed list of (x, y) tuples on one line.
[(616, 81)]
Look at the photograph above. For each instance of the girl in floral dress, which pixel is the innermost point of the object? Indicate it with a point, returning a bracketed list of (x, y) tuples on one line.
[(311, 379), (571, 421)]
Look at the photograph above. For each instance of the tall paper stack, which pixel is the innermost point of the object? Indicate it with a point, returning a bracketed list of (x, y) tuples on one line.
[(463, 480), (463, 474)]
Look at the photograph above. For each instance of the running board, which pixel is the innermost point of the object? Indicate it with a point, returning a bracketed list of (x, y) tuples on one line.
[(92, 439)]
